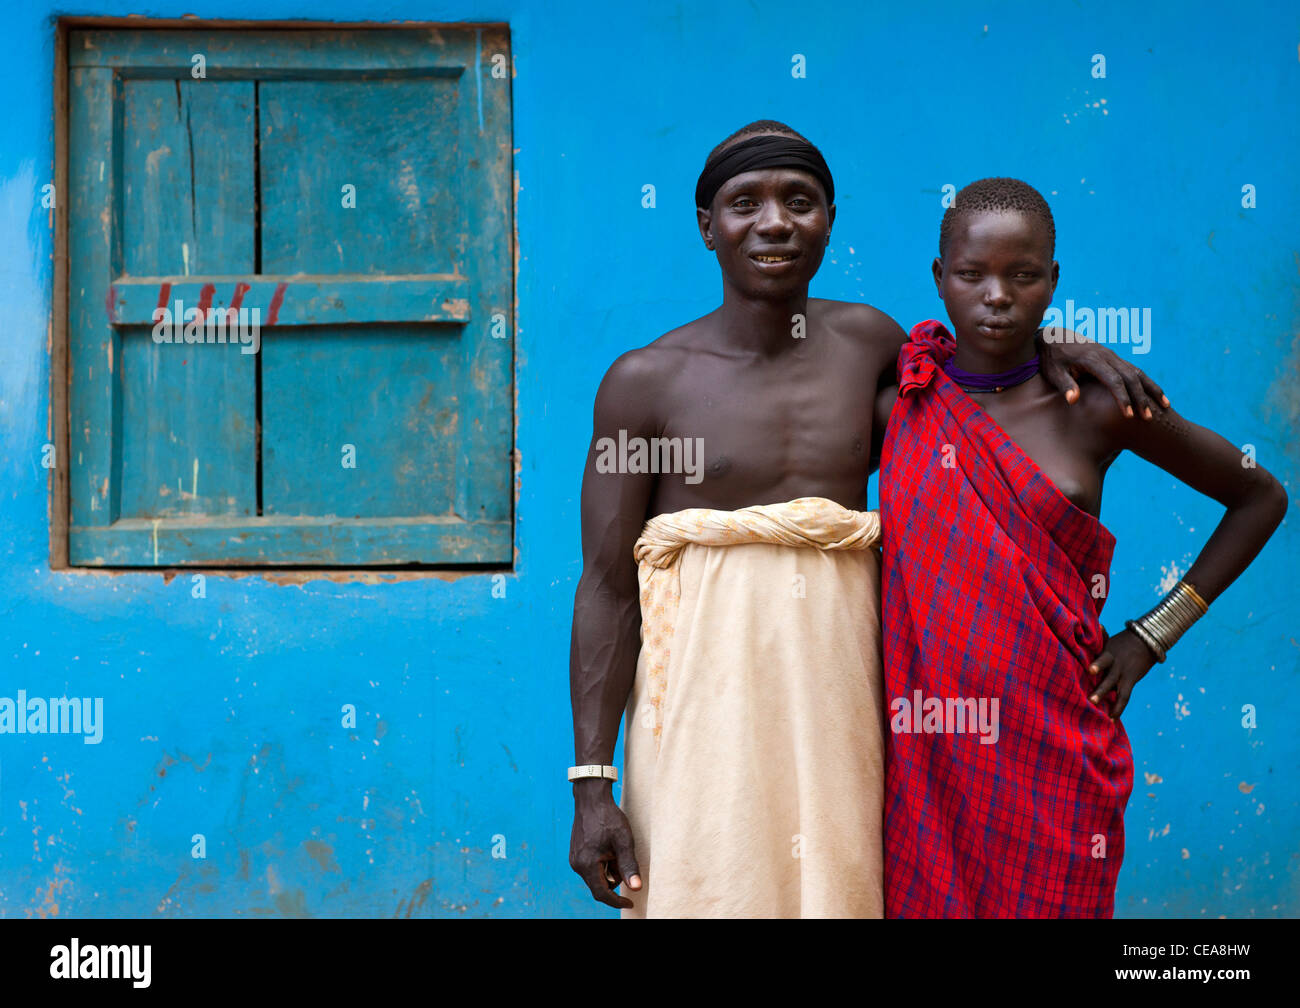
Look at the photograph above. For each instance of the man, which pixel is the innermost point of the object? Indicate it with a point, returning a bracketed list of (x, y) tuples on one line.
[(754, 781)]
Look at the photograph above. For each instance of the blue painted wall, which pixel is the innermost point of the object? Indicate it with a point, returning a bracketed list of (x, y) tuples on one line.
[(222, 714)]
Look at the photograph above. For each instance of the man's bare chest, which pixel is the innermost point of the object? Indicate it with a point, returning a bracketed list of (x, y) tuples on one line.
[(810, 426)]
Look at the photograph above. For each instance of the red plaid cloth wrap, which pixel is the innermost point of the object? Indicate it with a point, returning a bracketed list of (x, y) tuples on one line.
[(988, 593)]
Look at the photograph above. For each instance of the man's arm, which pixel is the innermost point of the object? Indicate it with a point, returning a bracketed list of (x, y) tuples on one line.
[(1061, 351), (886, 396), (887, 338), (607, 625)]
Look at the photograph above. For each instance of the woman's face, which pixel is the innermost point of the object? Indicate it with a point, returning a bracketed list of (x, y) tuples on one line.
[(997, 280)]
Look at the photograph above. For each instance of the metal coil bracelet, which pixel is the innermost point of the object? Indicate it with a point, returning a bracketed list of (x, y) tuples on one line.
[(1162, 626)]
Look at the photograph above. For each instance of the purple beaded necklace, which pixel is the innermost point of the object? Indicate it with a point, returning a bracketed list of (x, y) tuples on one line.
[(971, 381)]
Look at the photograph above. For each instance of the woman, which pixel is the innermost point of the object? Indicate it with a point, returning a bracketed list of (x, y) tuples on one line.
[(1007, 769)]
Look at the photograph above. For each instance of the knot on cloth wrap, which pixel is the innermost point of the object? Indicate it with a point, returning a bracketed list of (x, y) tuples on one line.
[(808, 521)]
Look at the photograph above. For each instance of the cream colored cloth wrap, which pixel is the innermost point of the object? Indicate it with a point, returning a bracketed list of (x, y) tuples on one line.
[(754, 741)]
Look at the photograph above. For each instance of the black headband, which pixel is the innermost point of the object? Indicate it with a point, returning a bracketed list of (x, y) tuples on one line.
[(764, 151)]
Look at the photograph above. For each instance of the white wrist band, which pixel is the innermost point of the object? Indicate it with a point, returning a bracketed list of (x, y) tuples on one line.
[(593, 770)]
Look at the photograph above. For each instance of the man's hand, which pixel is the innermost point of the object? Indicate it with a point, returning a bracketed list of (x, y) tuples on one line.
[(600, 848), (1063, 353), (1125, 659)]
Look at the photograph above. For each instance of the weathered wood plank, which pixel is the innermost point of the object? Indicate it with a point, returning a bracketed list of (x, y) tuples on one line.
[(486, 484), (392, 393), (187, 434), (94, 258), (286, 541), (265, 54), (187, 177), (188, 429), (363, 177)]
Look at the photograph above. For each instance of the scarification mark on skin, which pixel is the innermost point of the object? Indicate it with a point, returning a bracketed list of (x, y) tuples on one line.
[(1174, 423)]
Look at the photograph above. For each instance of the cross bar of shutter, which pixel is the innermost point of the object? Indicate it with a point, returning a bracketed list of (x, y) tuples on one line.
[(299, 300)]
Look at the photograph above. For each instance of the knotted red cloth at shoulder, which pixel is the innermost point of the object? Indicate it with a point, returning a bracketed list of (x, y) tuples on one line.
[(1005, 785)]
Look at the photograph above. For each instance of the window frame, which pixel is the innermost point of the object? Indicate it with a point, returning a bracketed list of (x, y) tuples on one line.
[(85, 530)]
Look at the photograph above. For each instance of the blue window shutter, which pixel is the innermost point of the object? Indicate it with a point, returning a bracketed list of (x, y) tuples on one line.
[(377, 319)]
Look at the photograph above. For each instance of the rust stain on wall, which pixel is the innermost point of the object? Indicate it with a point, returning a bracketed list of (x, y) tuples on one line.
[(322, 854), (416, 901), (48, 905)]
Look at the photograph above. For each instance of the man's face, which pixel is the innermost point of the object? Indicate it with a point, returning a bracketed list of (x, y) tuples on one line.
[(770, 229), (997, 279)]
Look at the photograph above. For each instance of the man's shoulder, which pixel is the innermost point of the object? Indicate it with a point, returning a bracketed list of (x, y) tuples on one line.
[(644, 374), (860, 322), (658, 358)]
